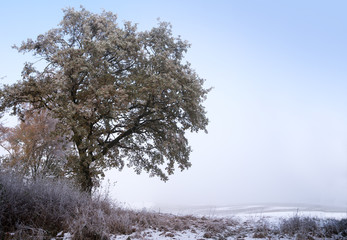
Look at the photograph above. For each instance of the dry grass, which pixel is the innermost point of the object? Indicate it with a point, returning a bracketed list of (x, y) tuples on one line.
[(42, 209)]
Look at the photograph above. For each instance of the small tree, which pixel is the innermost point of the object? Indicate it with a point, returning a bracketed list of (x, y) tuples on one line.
[(33, 149), (119, 94)]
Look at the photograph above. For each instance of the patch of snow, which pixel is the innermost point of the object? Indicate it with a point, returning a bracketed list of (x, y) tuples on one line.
[(67, 236), (158, 235)]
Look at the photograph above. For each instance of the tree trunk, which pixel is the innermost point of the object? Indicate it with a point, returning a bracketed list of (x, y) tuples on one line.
[(85, 178), (84, 174)]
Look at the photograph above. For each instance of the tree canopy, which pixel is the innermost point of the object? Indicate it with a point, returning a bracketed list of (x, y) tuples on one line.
[(33, 150), (120, 95)]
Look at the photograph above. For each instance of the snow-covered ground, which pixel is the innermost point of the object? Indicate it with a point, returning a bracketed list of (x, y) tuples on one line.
[(247, 215), (257, 210), (243, 213), (158, 235)]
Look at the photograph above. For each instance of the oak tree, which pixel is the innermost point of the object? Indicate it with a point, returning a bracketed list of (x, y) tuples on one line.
[(122, 96)]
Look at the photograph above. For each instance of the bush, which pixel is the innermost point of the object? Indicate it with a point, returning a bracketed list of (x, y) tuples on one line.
[(42, 208), (333, 227), (298, 224), (37, 204), (45, 207)]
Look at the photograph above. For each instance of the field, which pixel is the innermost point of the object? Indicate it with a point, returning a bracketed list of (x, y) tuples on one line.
[(50, 209), (270, 221)]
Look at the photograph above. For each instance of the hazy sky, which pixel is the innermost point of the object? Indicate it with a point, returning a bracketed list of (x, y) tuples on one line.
[(278, 110)]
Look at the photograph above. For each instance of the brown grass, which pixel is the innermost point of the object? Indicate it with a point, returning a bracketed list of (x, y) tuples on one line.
[(43, 208)]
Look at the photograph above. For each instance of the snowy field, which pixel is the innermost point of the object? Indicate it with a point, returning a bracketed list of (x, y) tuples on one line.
[(248, 215), (257, 210)]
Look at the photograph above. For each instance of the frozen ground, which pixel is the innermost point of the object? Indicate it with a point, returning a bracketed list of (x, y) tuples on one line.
[(257, 210), (246, 222), (249, 218), (153, 234)]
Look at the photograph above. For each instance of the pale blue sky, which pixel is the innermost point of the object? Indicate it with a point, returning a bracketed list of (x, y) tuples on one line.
[(278, 130)]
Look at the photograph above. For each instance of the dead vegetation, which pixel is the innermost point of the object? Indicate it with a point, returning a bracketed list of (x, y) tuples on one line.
[(44, 209)]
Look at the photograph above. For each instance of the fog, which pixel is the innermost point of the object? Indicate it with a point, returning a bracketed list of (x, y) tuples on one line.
[(254, 154), (277, 111)]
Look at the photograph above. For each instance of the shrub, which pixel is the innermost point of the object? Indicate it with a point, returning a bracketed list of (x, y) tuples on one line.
[(298, 224), (45, 207), (37, 204), (333, 227)]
